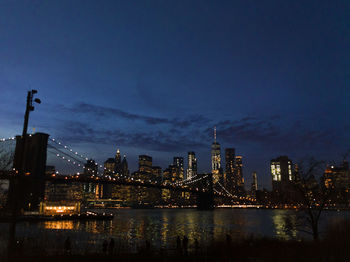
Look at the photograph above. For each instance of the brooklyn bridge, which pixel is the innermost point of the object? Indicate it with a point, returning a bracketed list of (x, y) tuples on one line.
[(29, 179)]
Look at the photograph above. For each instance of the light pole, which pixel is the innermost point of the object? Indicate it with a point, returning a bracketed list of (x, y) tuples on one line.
[(29, 108), (17, 189)]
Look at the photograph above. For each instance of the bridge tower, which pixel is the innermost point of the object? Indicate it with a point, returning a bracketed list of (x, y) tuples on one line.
[(205, 200), (28, 188)]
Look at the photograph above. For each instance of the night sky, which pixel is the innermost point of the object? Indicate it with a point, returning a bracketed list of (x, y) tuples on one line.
[(155, 77)]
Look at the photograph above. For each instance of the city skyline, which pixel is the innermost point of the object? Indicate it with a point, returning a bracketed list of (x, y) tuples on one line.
[(155, 78)]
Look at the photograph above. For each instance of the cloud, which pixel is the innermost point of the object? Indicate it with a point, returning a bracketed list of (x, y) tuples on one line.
[(109, 112), (78, 132), (195, 132), (273, 132)]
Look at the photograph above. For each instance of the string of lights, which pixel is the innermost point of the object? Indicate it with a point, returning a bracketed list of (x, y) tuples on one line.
[(196, 180), (227, 192), (69, 149), (63, 153), (65, 158), (185, 180), (7, 139)]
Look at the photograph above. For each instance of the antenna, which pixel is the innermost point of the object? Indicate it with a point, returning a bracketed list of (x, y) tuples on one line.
[(215, 134)]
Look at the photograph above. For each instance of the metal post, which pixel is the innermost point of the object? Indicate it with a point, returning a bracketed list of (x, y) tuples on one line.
[(17, 180)]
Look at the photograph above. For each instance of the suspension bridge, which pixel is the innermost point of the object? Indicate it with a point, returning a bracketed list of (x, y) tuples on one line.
[(201, 185)]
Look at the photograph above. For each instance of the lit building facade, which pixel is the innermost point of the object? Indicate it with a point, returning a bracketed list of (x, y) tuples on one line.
[(254, 182), (216, 160), (230, 169), (192, 165), (109, 167), (118, 162), (337, 177), (281, 173), (238, 178), (145, 164), (179, 163)]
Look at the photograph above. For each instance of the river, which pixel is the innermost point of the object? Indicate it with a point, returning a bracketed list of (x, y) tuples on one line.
[(131, 227)]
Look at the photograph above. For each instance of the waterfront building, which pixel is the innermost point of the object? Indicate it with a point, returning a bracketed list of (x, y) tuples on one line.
[(281, 173), (58, 192), (337, 177), (192, 165)]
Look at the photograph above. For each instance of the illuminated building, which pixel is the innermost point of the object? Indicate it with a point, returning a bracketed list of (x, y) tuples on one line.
[(118, 162), (337, 177), (157, 173), (216, 160), (63, 191), (255, 181), (254, 187), (145, 164), (179, 163), (230, 169), (59, 208), (192, 165), (282, 173), (239, 180), (171, 175), (109, 167)]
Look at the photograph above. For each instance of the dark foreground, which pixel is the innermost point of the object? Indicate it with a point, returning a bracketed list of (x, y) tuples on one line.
[(334, 246), (247, 250)]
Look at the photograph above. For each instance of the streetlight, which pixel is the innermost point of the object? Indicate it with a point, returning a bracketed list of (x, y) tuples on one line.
[(29, 108), (17, 196)]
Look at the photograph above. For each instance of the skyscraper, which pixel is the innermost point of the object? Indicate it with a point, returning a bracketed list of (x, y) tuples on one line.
[(230, 168), (118, 162), (192, 165), (215, 159), (179, 163), (124, 167), (239, 180), (109, 167), (254, 182), (281, 172), (145, 164)]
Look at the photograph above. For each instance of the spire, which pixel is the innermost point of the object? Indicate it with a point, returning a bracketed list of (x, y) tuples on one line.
[(215, 134)]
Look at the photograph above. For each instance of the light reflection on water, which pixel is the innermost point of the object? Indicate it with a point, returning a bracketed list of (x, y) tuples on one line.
[(131, 227)]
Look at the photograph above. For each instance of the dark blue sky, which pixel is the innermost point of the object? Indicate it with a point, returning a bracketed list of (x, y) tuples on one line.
[(154, 77)]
